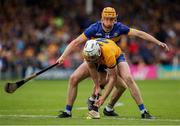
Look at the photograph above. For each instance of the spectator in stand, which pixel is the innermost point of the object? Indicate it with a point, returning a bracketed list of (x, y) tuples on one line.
[(31, 23)]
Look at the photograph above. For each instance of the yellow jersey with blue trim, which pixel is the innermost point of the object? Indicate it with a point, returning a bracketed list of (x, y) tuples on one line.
[(96, 31), (109, 52)]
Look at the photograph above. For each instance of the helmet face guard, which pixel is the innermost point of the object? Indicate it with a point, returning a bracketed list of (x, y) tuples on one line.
[(91, 51), (108, 18), (91, 58)]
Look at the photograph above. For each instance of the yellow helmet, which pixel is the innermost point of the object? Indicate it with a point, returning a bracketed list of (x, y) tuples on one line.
[(109, 12)]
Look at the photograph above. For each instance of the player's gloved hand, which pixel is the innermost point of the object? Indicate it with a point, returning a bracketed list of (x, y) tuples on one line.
[(60, 60), (99, 101), (163, 45)]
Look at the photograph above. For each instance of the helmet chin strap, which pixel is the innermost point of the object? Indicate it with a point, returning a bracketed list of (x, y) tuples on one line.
[(105, 28)]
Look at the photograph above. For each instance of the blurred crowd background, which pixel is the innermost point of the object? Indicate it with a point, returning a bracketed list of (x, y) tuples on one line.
[(35, 32)]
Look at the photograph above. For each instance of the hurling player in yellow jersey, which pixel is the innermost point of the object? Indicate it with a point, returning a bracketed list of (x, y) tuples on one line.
[(105, 53), (102, 53), (109, 28)]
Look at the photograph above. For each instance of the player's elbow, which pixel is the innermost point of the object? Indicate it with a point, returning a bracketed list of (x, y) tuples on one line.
[(74, 43), (142, 34), (138, 33), (113, 79), (78, 41)]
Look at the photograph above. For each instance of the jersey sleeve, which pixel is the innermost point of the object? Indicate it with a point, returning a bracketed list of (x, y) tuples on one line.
[(90, 31), (111, 63), (124, 29)]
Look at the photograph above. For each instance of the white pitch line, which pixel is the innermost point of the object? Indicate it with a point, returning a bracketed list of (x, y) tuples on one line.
[(119, 104), (27, 110), (49, 110), (29, 116), (81, 108), (168, 120), (110, 118)]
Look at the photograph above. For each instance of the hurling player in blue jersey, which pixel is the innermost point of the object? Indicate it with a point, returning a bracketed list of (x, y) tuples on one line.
[(107, 27)]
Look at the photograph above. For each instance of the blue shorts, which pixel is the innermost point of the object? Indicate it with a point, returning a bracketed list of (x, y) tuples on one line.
[(121, 58), (101, 68)]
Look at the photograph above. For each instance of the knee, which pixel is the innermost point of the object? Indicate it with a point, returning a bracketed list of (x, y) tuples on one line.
[(73, 80), (128, 80)]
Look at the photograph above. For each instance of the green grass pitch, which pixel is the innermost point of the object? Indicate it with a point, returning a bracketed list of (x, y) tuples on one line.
[(39, 101)]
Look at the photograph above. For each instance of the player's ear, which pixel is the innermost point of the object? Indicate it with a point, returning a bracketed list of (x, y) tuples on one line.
[(101, 19), (115, 20)]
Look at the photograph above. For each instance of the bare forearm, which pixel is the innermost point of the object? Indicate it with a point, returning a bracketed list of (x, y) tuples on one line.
[(112, 79), (148, 37), (93, 73), (143, 35), (109, 88), (69, 49)]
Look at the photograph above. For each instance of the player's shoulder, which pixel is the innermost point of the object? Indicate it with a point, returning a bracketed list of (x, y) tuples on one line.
[(122, 28), (119, 24), (95, 25)]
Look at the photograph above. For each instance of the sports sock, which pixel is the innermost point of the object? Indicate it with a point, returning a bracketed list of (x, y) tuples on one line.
[(109, 108), (91, 98), (142, 108), (68, 109)]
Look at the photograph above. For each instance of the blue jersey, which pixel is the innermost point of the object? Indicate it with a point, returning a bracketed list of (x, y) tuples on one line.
[(96, 31)]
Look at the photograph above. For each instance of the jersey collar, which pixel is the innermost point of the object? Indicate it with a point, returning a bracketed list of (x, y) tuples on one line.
[(102, 26)]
